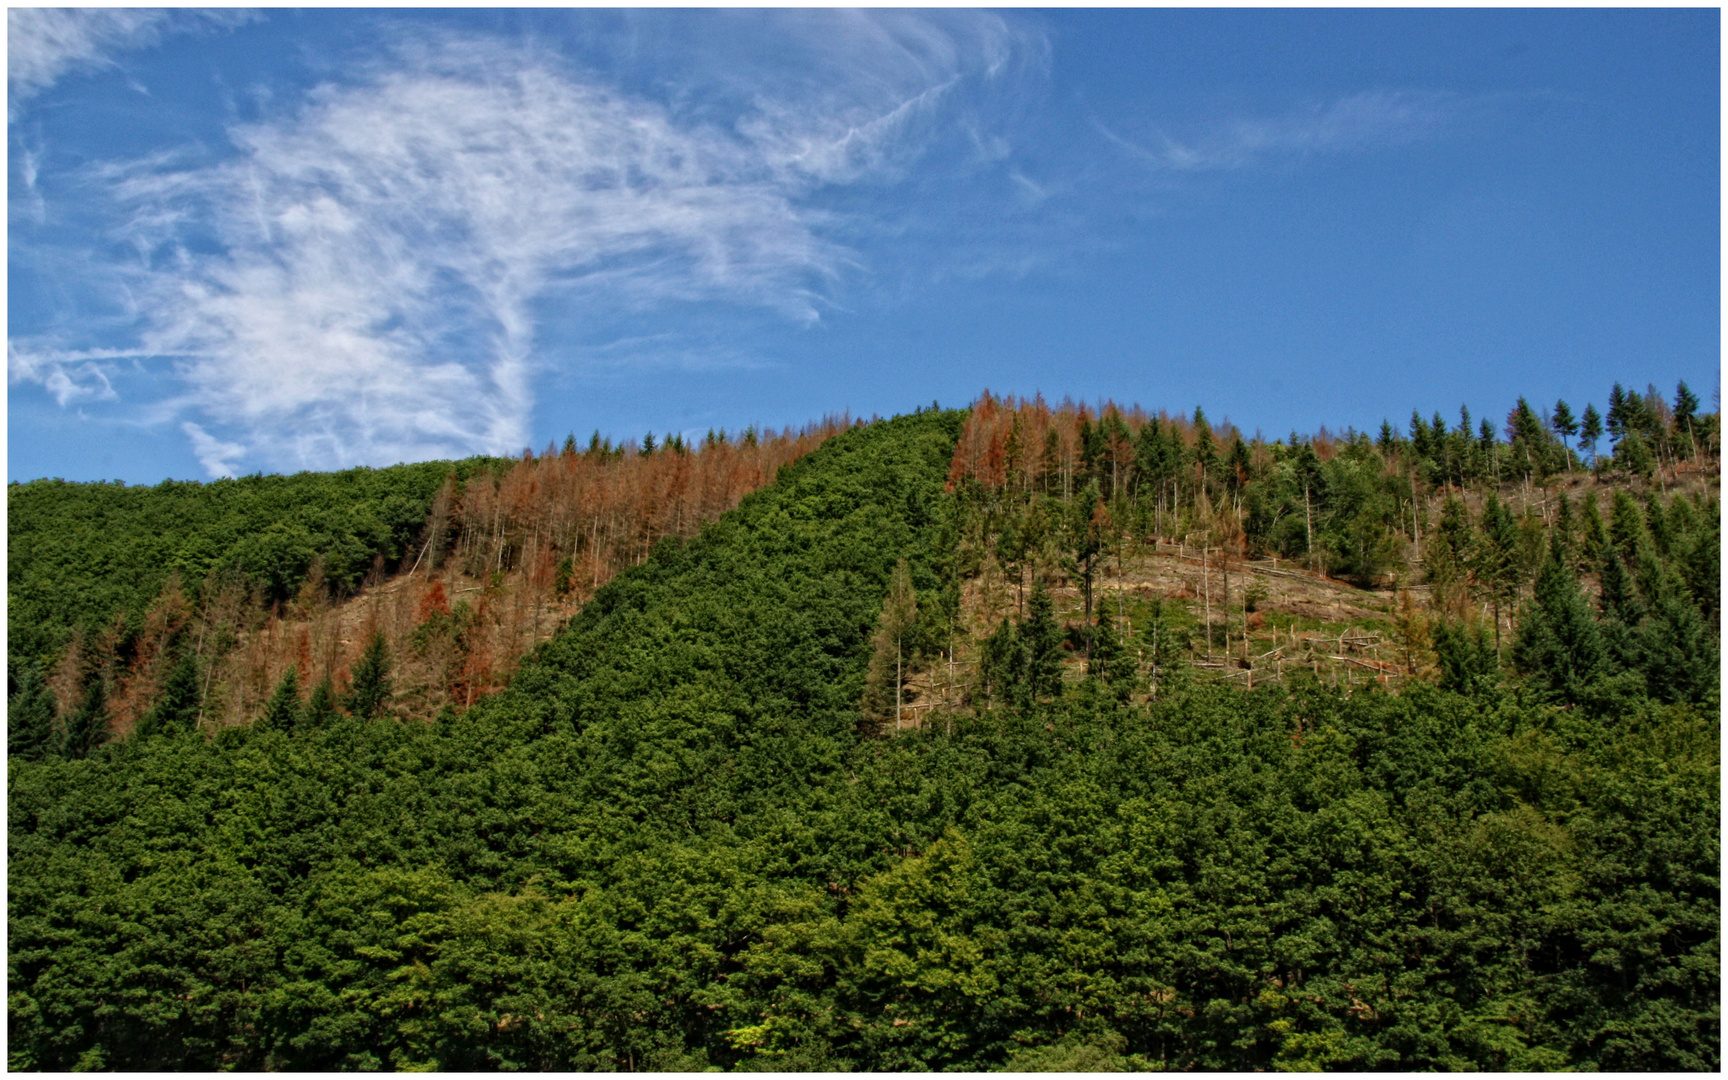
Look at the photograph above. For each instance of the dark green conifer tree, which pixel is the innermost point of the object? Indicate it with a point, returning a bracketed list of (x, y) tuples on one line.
[(87, 727), (1656, 523), (282, 711), (1204, 452), (1091, 448), (1685, 409), (1701, 565), (1419, 441), (1387, 441), (370, 691), (320, 707), (1002, 665), (1041, 641), (1150, 467), (1468, 660), (30, 716), (1110, 664), (1619, 597), (1616, 419), (1162, 645), (1497, 557), (1489, 449), (1593, 536), (178, 706), (1590, 431), (1239, 468), (1564, 424), (1626, 529), (1530, 444), (1565, 525), (1559, 648), (1632, 454), (1680, 657)]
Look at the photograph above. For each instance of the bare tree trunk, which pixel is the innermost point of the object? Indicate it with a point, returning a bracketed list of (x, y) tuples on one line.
[(1206, 589), (1308, 513), (897, 682)]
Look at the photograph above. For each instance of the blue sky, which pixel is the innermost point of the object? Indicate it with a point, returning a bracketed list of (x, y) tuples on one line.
[(245, 241)]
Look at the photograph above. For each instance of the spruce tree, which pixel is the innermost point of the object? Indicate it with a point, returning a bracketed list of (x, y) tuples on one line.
[(1041, 640), (1616, 419), (1685, 408), (87, 727), (1656, 523), (1559, 647), (1497, 557), (1240, 465), (282, 711), (1565, 425), (1467, 659), (1701, 567), (370, 691), (1204, 453), (177, 707), (1003, 665), (1590, 431), (1110, 663), (1632, 454), (1162, 644), (1679, 655), (30, 716), (1595, 537), (1419, 441), (320, 707), (1563, 422), (1619, 598), (1626, 529)]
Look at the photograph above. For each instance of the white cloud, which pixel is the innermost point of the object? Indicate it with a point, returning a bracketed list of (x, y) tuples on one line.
[(69, 377), (43, 44), (218, 458), (368, 287), (1357, 122)]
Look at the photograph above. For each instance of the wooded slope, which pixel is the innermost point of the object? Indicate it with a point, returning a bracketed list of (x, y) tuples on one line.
[(673, 843)]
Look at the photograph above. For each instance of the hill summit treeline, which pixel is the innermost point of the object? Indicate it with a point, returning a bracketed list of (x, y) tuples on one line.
[(686, 835)]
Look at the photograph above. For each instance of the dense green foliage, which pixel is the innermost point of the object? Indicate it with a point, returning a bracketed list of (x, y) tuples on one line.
[(78, 555), (670, 844)]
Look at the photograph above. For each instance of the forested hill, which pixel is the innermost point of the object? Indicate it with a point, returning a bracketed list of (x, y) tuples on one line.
[(243, 902), (127, 596), (81, 554), (681, 838)]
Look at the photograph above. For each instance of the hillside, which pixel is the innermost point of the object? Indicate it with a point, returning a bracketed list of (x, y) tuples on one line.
[(459, 568), (681, 836)]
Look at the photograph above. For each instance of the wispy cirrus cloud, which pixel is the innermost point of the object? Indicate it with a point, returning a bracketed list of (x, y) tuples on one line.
[(44, 44), (69, 377), (362, 280), (1352, 123)]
